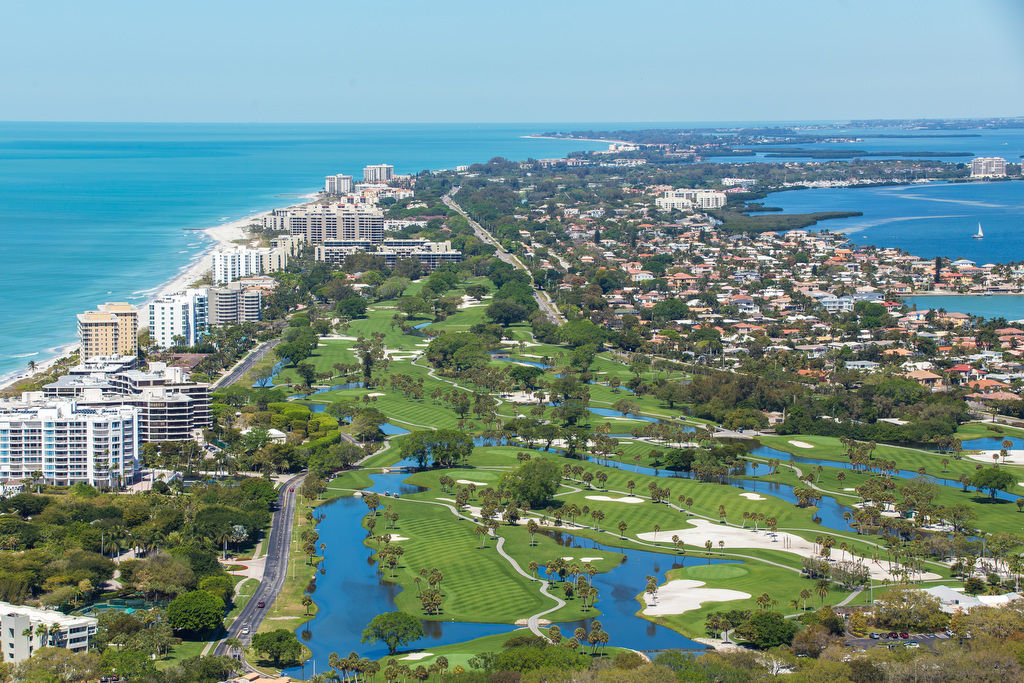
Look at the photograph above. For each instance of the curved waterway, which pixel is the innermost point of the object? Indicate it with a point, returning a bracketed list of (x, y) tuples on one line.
[(352, 590)]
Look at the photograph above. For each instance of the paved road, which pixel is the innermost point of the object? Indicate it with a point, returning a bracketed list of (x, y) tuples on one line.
[(275, 570), (543, 300), (246, 364)]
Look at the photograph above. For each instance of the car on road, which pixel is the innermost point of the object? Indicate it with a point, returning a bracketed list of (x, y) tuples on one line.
[(875, 636), (904, 635), (894, 635), (261, 604), (911, 644), (245, 630), (291, 490)]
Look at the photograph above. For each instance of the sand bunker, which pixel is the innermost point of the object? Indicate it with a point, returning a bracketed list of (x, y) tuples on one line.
[(591, 559), (624, 499), (467, 481), (1013, 457), (417, 656), (704, 530), (394, 539), (753, 496), (801, 444), (683, 595), (376, 393)]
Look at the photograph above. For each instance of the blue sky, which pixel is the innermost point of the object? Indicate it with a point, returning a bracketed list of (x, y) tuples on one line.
[(522, 60)]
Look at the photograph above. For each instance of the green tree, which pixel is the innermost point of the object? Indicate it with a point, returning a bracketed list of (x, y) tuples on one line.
[(992, 479), (767, 630), (196, 612), (393, 629), (532, 482), (280, 645)]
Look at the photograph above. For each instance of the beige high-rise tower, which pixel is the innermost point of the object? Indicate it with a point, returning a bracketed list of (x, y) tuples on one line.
[(112, 330)]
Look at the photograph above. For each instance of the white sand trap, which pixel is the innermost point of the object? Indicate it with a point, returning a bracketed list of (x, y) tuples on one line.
[(417, 656), (447, 500), (590, 559), (1014, 457), (467, 481), (569, 557), (801, 444), (849, 489), (1020, 483), (376, 393), (397, 538), (704, 530), (624, 499), (753, 496), (683, 595)]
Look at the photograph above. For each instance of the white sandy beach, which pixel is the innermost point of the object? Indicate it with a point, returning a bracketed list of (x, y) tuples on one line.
[(220, 237)]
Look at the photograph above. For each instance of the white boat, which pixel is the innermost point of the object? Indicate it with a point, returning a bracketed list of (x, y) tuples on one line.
[(980, 234)]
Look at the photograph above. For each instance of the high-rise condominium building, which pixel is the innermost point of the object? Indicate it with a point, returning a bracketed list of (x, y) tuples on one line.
[(338, 184), (178, 318), (378, 173), (69, 444), (112, 330), (333, 222), (988, 166), (234, 304), (237, 263)]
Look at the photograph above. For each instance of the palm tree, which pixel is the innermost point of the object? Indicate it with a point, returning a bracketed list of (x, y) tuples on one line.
[(307, 602), (805, 594), (822, 588), (708, 545)]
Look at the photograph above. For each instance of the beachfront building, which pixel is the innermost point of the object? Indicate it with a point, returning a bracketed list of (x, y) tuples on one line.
[(179, 318), (22, 635), (234, 304), (291, 244), (171, 406), (988, 167), (430, 254), (686, 199), (112, 329), (338, 184), (378, 173), (319, 222), (232, 264), (68, 443)]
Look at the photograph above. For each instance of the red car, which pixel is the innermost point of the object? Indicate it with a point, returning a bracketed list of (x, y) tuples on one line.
[(261, 604), (291, 490)]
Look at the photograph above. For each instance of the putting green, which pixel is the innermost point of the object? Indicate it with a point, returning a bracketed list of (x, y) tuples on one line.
[(707, 572)]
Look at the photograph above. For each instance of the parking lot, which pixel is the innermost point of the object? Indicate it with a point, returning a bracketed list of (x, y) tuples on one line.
[(923, 640)]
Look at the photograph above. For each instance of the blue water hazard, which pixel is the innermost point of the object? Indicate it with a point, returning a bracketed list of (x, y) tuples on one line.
[(268, 383), (608, 412), (974, 444), (393, 430), (353, 590), (421, 325)]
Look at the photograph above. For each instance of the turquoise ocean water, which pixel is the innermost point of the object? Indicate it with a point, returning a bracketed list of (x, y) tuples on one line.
[(106, 212)]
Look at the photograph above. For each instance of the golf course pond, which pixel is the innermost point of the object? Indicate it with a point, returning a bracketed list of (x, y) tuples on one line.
[(352, 590)]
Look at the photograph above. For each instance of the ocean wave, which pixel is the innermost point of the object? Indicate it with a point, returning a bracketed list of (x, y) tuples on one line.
[(24, 355)]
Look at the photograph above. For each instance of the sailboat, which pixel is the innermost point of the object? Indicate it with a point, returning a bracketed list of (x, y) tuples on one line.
[(980, 234)]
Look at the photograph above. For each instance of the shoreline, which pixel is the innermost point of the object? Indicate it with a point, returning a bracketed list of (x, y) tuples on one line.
[(220, 236)]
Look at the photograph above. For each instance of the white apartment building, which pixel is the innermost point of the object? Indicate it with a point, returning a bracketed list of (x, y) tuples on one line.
[(991, 167), (45, 628), (338, 184), (182, 314), (691, 199), (111, 330), (378, 173), (69, 444), (336, 221), (430, 254), (233, 264)]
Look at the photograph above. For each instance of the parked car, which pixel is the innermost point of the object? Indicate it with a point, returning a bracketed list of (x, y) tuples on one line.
[(875, 636), (904, 635), (911, 644), (261, 604), (894, 635)]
